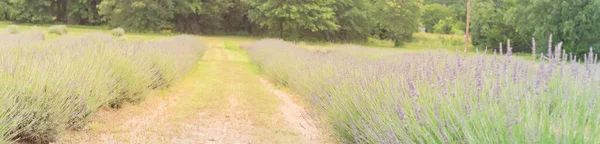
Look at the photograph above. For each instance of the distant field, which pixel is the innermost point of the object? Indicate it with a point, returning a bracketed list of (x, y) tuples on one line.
[(75, 30), (421, 41)]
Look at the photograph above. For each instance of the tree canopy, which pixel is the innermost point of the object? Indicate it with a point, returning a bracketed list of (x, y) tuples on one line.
[(574, 22), (319, 20)]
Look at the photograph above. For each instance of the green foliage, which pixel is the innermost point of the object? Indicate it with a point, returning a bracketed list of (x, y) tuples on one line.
[(428, 40), (493, 21), (29, 11), (58, 85), (84, 12), (12, 29), (212, 17), (574, 22), (48, 11), (449, 25), (118, 32), (58, 29), (433, 14), (295, 14), (398, 19), (355, 19), (433, 97), (321, 20), (138, 15), (488, 27)]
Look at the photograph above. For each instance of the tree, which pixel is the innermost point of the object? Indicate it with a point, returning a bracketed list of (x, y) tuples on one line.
[(138, 15), (186, 15), (317, 15), (398, 19), (28, 11), (488, 27), (235, 19), (574, 22), (449, 25), (433, 13), (83, 12), (355, 20)]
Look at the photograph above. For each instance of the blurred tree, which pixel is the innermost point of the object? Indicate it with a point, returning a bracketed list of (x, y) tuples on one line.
[(433, 13), (83, 12), (317, 15), (449, 25), (488, 27), (138, 15), (28, 11), (187, 16), (574, 22), (397, 19), (355, 21)]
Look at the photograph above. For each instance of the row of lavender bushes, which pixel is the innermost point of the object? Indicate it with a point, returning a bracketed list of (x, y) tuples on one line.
[(441, 97), (47, 87)]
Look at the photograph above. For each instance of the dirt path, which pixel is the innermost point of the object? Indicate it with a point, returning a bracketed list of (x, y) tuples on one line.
[(296, 116), (224, 100)]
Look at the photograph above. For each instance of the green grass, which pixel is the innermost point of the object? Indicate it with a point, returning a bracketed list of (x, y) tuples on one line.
[(228, 81), (78, 30), (421, 41), (222, 95)]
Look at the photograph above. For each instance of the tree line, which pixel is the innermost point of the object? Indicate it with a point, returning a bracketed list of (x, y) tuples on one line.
[(575, 22), (319, 20)]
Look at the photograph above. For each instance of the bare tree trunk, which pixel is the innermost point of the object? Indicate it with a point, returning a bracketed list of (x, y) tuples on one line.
[(281, 29), (533, 47), (67, 7), (467, 28)]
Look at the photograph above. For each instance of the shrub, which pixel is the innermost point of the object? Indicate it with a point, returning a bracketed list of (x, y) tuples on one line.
[(435, 97), (449, 25), (118, 32), (58, 29), (48, 87), (12, 29)]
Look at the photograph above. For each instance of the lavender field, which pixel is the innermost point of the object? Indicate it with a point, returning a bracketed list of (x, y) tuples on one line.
[(440, 97), (49, 86)]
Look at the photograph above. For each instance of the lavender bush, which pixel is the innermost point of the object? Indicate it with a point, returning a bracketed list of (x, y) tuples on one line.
[(58, 29), (118, 32), (12, 29), (438, 97), (48, 87)]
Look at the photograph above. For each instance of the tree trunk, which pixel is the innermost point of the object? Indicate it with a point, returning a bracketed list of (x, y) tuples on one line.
[(61, 10), (67, 7), (397, 42), (467, 28), (281, 29)]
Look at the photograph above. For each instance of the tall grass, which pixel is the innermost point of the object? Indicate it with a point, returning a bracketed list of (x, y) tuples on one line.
[(438, 40), (48, 87), (435, 97)]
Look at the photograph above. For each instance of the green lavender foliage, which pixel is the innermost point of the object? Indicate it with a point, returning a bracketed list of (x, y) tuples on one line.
[(12, 29), (118, 32), (436, 97), (50, 86), (58, 29)]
